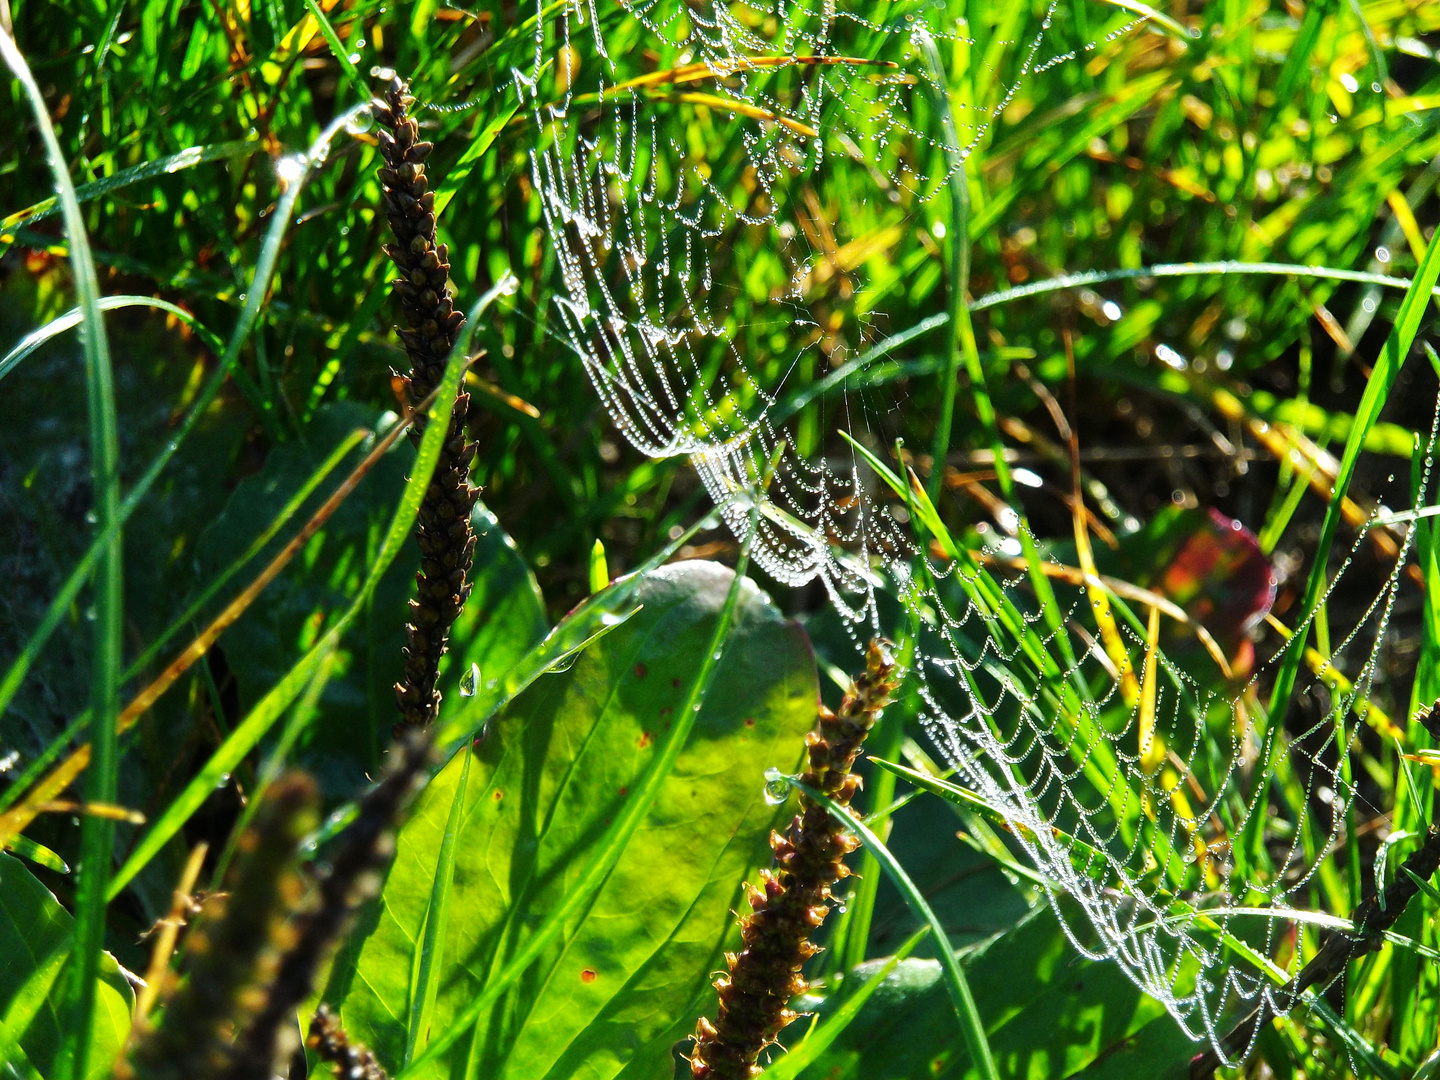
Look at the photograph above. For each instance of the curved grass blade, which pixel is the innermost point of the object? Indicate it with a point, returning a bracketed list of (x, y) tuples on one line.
[(1195, 269), (72, 318), (148, 170), (609, 848), (970, 1025), (97, 833)]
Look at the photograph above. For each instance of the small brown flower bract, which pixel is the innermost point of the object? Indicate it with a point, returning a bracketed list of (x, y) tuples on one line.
[(447, 543), (330, 1043), (793, 899)]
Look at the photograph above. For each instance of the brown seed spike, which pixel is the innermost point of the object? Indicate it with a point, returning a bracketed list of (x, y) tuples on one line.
[(443, 525), (763, 978)]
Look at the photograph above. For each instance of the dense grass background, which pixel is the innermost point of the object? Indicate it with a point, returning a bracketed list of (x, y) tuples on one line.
[(1286, 133)]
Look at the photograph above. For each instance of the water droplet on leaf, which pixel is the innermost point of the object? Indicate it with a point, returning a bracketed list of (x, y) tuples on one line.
[(777, 787), (470, 681)]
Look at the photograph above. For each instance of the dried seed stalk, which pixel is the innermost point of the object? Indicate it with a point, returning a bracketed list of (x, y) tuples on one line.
[(447, 543), (363, 851), (794, 898), (237, 948)]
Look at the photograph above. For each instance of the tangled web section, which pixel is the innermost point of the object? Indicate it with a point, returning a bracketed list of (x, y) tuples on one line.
[(668, 132)]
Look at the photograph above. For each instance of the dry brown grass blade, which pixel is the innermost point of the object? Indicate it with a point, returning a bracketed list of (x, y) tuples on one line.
[(1289, 446), (698, 72), (168, 931), (14, 821)]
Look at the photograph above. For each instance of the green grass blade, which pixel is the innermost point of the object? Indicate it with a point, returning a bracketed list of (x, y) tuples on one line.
[(21, 784), (1377, 390), (39, 854), (97, 833), (969, 1017), (219, 581), (611, 845), (818, 1041), (962, 335), (72, 318), (477, 149), (305, 711), (261, 718), (425, 985)]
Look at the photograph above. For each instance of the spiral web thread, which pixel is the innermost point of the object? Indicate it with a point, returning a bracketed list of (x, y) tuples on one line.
[(1143, 815)]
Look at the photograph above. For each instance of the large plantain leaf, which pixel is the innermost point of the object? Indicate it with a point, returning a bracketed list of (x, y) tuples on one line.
[(1048, 1013), (35, 936), (542, 785)]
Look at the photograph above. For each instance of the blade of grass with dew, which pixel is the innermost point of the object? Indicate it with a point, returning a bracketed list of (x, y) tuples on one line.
[(147, 170), (342, 54), (97, 833), (250, 730), (818, 1040), (609, 848), (1195, 269), (107, 532), (425, 981), (1377, 390), (72, 318), (960, 996)]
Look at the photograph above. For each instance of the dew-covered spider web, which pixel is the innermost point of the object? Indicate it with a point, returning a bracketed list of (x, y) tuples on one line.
[(669, 133)]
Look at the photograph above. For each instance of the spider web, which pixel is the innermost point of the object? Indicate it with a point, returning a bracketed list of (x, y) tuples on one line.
[(671, 131)]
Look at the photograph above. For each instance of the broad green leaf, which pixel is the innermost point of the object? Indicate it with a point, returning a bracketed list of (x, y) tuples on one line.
[(554, 767), (35, 939), (1048, 1014)]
